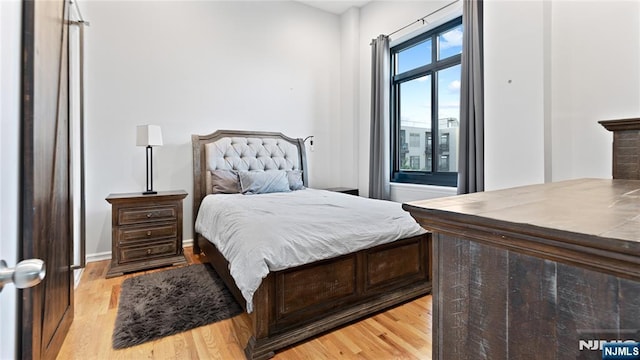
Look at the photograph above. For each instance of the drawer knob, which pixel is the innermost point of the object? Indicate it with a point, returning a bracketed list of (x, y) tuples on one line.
[(149, 215), (148, 251), (149, 233)]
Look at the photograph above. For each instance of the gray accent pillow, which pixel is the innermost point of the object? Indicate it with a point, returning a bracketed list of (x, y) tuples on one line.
[(225, 182), (295, 179), (263, 182)]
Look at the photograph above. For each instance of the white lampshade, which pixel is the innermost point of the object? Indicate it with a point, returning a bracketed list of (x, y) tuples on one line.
[(149, 135)]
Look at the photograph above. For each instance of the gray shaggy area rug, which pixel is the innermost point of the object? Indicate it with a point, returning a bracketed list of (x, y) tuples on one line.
[(168, 302)]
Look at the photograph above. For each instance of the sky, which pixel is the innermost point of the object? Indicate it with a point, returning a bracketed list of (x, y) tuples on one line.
[(415, 109)]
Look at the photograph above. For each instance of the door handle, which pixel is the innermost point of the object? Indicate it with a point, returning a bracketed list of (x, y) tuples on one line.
[(26, 274)]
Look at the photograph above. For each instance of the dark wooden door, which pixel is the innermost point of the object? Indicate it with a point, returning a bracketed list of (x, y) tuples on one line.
[(47, 309)]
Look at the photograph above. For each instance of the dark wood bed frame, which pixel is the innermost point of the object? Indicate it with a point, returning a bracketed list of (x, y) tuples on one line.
[(298, 303)]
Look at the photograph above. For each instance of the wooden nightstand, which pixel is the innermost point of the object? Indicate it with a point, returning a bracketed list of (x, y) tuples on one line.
[(346, 190), (146, 231)]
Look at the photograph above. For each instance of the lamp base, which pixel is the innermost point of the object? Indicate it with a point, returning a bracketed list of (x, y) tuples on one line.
[(149, 193)]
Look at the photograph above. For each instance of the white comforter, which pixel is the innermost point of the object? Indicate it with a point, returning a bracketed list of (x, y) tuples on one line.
[(270, 232)]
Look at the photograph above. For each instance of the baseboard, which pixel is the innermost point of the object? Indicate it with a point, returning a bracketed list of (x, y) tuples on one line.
[(99, 256), (107, 254), (77, 274)]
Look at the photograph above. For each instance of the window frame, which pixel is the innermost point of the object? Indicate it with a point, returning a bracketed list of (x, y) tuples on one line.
[(433, 177)]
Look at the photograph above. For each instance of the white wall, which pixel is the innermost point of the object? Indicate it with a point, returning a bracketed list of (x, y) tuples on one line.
[(572, 63), (514, 89), (596, 67), (552, 70), (10, 71), (349, 97), (193, 67)]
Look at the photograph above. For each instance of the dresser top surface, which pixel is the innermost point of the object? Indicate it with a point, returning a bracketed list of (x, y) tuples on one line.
[(599, 207)]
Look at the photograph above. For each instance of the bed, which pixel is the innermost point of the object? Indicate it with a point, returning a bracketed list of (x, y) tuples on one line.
[(297, 302)]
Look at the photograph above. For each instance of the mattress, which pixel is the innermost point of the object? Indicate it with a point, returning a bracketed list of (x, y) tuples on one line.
[(270, 232)]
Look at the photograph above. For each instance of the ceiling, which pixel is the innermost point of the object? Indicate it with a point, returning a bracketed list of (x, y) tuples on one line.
[(335, 6)]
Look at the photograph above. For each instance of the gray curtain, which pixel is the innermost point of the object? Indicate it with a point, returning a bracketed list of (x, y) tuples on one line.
[(471, 155), (379, 158)]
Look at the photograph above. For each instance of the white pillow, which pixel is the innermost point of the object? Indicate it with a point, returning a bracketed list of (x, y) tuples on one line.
[(263, 182), (295, 179)]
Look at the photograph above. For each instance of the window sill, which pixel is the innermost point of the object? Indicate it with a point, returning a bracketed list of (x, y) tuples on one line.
[(403, 192)]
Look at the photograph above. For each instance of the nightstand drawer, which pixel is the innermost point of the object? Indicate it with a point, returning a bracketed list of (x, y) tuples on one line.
[(139, 215), (149, 251), (132, 234)]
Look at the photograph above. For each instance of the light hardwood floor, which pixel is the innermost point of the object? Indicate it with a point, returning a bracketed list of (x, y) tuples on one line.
[(403, 332)]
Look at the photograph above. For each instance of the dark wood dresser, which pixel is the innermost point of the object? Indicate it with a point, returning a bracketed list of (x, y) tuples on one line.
[(146, 231), (535, 272), (626, 147)]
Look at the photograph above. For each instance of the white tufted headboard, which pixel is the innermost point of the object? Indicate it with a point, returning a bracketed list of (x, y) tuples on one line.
[(242, 150)]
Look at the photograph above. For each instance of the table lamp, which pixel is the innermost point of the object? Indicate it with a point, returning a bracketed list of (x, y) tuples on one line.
[(149, 136)]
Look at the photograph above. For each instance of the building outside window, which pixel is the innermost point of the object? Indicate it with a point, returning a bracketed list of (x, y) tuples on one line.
[(415, 162), (414, 140), (425, 100), (404, 148), (428, 150), (443, 163), (444, 143)]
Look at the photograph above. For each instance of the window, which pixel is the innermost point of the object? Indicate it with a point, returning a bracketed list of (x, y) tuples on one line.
[(414, 140), (444, 143), (415, 162), (427, 150), (425, 100), (443, 164)]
